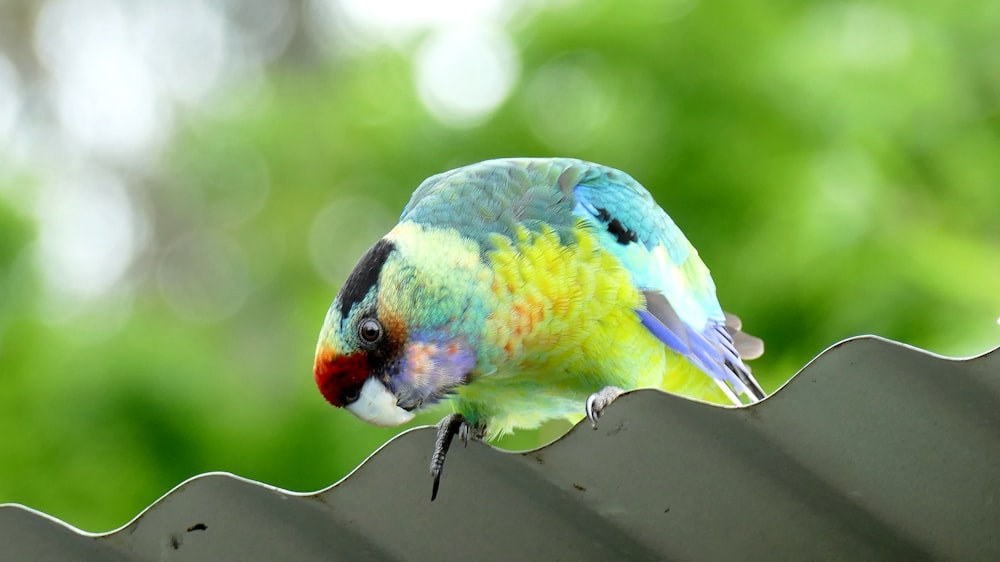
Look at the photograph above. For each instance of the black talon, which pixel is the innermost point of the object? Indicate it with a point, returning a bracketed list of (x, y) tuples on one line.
[(447, 428)]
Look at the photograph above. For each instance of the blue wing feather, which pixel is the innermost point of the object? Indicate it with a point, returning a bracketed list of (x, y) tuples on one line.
[(681, 310)]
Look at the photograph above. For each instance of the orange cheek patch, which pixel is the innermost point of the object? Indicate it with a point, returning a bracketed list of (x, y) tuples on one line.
[(395, 328)]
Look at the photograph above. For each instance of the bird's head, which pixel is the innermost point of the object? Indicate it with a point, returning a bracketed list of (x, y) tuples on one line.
[(402, 332)]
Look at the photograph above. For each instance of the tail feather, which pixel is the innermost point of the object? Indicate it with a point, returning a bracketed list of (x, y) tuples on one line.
[(749, 347)]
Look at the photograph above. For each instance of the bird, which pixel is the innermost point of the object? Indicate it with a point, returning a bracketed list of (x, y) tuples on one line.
[(523, 290)]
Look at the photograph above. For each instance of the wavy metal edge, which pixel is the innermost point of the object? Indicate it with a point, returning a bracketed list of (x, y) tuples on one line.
[(823, 356)]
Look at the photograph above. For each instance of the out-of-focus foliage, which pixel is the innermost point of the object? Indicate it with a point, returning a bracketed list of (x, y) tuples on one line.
[(835, 163)]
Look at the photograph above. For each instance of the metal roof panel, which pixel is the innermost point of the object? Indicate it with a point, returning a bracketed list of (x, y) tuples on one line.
[(875, 450)]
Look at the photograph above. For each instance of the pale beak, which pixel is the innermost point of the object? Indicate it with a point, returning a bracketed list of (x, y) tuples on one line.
[(377, 406)]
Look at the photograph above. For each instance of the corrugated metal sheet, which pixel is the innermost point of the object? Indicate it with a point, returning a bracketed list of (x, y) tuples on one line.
[(873, 451)]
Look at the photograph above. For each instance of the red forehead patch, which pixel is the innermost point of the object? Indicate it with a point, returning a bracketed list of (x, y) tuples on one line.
[(338, 376)]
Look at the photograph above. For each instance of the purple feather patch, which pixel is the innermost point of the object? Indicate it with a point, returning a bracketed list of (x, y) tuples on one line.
[(430, 369)]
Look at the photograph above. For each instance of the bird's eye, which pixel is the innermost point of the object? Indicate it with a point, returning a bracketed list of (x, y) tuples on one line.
[(370, 330), (351, 395)]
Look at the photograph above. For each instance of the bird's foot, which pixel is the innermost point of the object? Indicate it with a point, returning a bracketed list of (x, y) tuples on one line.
[(598, 401), (448, 428)]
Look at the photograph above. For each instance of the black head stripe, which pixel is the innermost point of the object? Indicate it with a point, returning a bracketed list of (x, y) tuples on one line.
[(364, 276)]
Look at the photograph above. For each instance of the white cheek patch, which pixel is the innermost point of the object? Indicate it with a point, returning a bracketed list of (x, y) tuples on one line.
[(377, 406)]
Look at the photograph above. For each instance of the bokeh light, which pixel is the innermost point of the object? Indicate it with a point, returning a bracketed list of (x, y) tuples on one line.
[(203, 276), (105, 95), (568, 102), (87, 234), (343, 231), (10, 98), (463, 75)]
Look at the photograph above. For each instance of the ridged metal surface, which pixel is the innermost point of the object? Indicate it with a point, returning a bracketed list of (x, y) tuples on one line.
[(874, 451)]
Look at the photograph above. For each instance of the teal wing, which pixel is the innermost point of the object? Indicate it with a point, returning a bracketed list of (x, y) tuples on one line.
[(497, 197), (682, 309)]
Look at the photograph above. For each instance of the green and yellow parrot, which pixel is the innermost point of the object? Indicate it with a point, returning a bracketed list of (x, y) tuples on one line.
[(525, 290)]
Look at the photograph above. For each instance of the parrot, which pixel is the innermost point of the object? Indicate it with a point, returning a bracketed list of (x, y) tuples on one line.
[(523, 290)]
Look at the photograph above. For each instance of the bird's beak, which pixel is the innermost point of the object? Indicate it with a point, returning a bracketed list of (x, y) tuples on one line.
[(377, 406)]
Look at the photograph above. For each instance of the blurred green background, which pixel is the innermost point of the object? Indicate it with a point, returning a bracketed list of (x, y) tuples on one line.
[(184, 186)]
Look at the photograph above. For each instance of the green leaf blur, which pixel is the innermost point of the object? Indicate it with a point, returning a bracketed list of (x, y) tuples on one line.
[(836, 164)]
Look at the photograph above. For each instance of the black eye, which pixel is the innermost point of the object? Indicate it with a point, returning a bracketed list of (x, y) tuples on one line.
[(351, 395), (370, 330)]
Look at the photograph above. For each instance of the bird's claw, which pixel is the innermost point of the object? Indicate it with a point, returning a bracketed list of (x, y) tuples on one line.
[(463, 432), (448, 427), (598, 401)]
